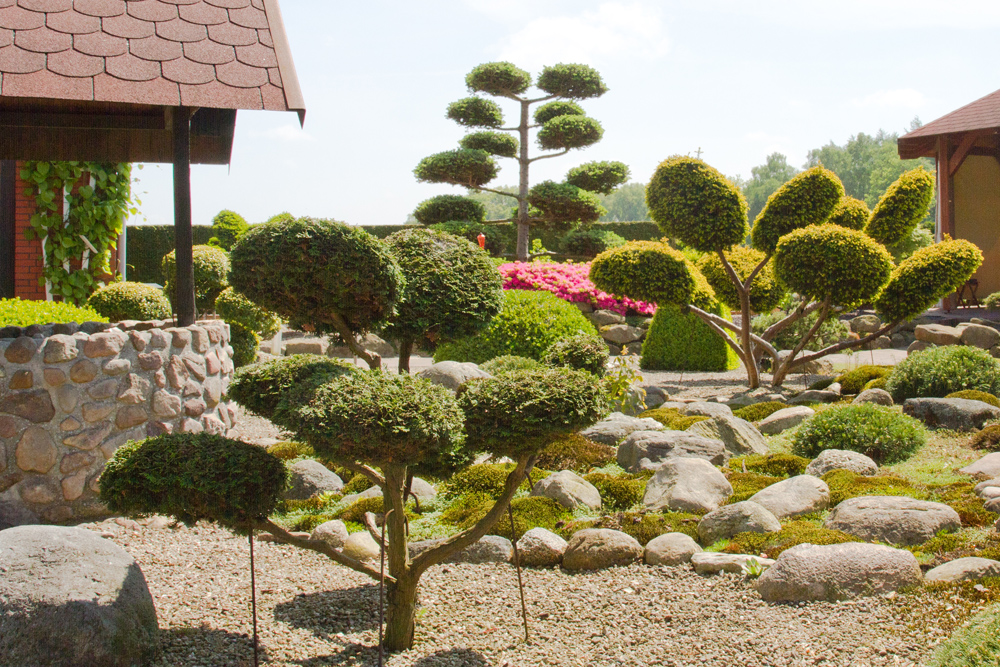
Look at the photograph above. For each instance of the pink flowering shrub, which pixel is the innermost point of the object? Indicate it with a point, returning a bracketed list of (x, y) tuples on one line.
[(570, 282)]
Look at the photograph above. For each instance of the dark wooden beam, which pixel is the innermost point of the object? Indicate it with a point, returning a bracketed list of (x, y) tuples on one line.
[(86, 121), (946, 204), (184, 304), (8, 186), (958, 157)]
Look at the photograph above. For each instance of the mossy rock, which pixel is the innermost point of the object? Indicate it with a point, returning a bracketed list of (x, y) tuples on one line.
[(356, 511), (643, 526), (745, 484), (854, 381), (618, 493), (672, 419), (289, 451), (775, 465), (576, 453), (877, 383), (792, 533), (530, 512), (845, 484), (988, 439), (357, 484), (975, 395), (820, 385), (759, 411)]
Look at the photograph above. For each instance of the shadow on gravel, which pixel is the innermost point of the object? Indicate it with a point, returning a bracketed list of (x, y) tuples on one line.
[(361, 654), (217, 646), (327, 613), (454, 656)]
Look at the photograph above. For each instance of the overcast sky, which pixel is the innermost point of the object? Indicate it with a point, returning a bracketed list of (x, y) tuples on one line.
[(736, 79)]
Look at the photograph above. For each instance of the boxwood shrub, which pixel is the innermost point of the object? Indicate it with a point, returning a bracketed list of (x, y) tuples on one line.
[(584, 352), (233, 307), (681, 341), (807, 199), (245, 344), (262, 387), (927, 275), (873, 430), (765, 292), (903, 205), (130, 301), (939, 371), (510, 362), (851, 213), (444, 208), (21, 313), (589, 241), (527, 325), (211, 275)]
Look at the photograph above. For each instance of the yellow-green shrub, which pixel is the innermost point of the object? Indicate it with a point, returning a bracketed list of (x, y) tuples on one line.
[(681, 341), (808, 199), (643, 526), (746, 484), (287, 451), (854, 381), (759, 411), (975, 395), (926, 276), (120, 301), (903, 205), (617, 493), (776, 465), (851, 213), (765, 291)]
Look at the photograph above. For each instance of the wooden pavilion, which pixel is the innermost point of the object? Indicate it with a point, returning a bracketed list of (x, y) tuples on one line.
[(966, 146), (136, 81)]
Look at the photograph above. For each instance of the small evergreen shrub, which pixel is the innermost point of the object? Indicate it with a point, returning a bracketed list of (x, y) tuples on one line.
[(775, 465), (759, 411), (851, 213), (576, 453), (261, 388), (617, 493), (20, 313), (877, 383), (988, 439), (245, 344), (120, 301), (854, 381), (228, 227), (211, 275), (233, 307), (821, 384), (974, 395), (193, 477), (526, 326), (873, 430), (746, 484), (445, 208), (508, 363), (625, 270), (681, 341), (845, 484), (806, 200), (903, 205), (939, 371), (589, 242), (792, 533), (584, 352), (288, 451)]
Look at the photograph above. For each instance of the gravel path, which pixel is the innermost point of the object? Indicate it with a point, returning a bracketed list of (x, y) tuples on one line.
[(313, 613)]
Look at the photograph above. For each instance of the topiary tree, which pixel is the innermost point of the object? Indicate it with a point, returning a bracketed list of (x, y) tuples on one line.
[(452, 289), (320, 275), (449, 208), (122, 300), (807, 239), (211, 271), (228, 226), (234, 308), (384, 427), (562, 126)]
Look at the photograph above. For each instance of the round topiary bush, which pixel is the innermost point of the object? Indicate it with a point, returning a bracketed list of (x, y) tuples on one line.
[(245, 344), (233, 307), (854, 381), (759, 411), (992, 301), (584, 352), (574, 452), (974, 395), (807, 199), (851, 213), (693, 202), (510, 362), (903, 205), (528, 324), (629, 269), (828, 261), (499, 238), (211, 274), (494, 143), (589, 241), (681, 341), (563, 202), (927, 275), (194, 476), (318, 273), (120, 301), (520, 413), (939, 371), (228, 227), (765, 292), (445, 208), (875, 431)]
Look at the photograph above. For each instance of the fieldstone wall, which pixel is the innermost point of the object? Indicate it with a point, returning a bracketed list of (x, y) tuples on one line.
[(70, 395)]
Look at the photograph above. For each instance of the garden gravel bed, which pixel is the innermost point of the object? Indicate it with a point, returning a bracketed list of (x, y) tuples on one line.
[(312, 612)]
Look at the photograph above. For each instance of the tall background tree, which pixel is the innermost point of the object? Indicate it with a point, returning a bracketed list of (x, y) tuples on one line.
[(561, 125)]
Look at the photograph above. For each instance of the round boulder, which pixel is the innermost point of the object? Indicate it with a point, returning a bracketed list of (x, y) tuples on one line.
[(836, 459), (876, 396), (597, 548), (784, 419), (893, 519), (452, 374), (361, 546), (69, 597), (963, 569), (541, 548), (333, 533), (837, 572), (308, 478), (670, 549), (687, 485), (615, 427), (795, 496), (489, 549), (744, 517), (569, 490)]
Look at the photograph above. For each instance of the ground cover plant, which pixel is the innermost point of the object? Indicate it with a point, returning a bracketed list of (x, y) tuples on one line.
[(19, 312)]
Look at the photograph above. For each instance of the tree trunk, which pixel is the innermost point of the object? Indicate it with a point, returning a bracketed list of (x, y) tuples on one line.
[(405, 350), (523, 229), (402, 596), (749, 349), (401, 609)]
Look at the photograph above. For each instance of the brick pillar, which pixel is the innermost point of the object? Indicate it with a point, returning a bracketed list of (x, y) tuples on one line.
[(28, 260)]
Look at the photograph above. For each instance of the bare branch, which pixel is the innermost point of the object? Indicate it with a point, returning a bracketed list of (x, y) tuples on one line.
[(845, 345), (721, 322), (546, 157), (795, 315), (376, 478), (318, 546), (823, 313), (541, 99), (496, 192), (757, 269), (713, 321), (373, 359)]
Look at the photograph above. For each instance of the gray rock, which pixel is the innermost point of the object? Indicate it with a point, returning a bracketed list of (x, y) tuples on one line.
[(981, 336), (422, 489), (597, 548), (308, 478), (988, 466), (865, 324), (621, 334), (306, 346), (569, 490), (963, 569), (713, 563), (541, 548), (670, 549), (815, 396), (687, 485), (743, 517), (361, 546), (615, 427), (69, 597), (893, 519), (603, 318), (957, 414), (876, 396), (837, 572), (836, 459), (656, 446), (738, 435), (784, 419), (815, 367), (452, 374), (706, 409), (938, 334), (795, 496), (489, 549), (982, 486), (992, 505), (919, 346), (333, 533), (989, 493)]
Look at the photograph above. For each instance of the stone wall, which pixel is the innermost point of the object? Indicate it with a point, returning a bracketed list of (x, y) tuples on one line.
[(70, 395)]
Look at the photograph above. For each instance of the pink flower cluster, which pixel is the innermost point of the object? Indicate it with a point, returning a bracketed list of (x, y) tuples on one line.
[(570, 282)]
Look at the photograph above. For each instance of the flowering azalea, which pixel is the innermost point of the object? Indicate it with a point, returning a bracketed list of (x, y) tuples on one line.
[(570, 282)]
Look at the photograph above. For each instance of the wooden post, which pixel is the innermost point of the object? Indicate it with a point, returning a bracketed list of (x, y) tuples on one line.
[(945, 201), (8, 185), (184, 240)]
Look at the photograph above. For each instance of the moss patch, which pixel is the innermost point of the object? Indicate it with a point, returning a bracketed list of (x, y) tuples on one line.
[(745, 484), (975, 395), (774, 465), (530, 512), (618, 493), (643, 526), (792, 533), (759, 411), (672, 419), (988, 439), (576, 453), (289, 451)]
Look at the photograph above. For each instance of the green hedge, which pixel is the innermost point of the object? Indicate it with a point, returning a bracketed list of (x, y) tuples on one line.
[(145, 246), (679, 341)]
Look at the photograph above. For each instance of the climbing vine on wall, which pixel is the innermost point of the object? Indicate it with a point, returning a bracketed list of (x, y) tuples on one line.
[(78, 247)]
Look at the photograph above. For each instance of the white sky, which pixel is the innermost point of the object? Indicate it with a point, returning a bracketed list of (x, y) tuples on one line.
[(738, 79)]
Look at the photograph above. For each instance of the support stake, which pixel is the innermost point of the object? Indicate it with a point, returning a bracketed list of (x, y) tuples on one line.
[(253, 605), (517, 564)]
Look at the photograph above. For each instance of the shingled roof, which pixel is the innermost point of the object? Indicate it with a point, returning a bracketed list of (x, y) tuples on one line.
[(981, 116), (229, 54)]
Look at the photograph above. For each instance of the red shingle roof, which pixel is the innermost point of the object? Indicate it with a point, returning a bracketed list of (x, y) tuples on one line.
[(230, 54), (982, 114)]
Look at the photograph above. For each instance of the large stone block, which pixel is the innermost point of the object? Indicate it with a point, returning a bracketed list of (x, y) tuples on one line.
[(35, 406), (36, 452)]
